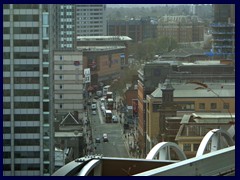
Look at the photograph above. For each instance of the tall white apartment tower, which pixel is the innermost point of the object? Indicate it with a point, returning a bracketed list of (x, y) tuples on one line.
[(27, 91), (91, 20)]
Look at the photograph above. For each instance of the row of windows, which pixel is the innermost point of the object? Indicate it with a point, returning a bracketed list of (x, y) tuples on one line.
[(213, 106), (24, 55), (26, 42), (28, 18), (22, 117), (7, 167), (22, 130), (25, 6), (187, 147), (31, 67), (27, 142), (26, 80), (22, 105)]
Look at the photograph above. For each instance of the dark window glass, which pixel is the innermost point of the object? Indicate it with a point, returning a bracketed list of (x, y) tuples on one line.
[(6, 130), (6, 105), (213, 105), (6, 117), (6, 67), (27, 142), (27, 130), (6, 6), (32, 67), (26, 80), (25, 55), (6, 18), (26, 92), (27, 117), (6, 30), (6, 142), (26, 105), (201, 105)]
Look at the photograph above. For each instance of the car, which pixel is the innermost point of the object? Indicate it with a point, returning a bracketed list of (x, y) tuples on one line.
[(95, 97), (115, 119), (105, 137), (103, 108), (97, 140), (94, 112)]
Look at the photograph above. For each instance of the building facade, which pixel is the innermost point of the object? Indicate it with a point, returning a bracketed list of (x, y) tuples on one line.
[(182, 29), (194, 126), (68, 83), (27, 105), (65, 26), (91, 20), (186, 100), (223, 31), (137, 29), (151, 74)]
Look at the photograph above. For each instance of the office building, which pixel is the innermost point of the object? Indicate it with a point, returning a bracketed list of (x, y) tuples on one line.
[(91, 20), (137, 29), (223, 31), (65, 26), (183, 29), (27, 105)]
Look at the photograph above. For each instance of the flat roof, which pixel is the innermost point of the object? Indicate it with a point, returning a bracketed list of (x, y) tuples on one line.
[(99, 48), (188, 90), (103, 38), (68, 134)]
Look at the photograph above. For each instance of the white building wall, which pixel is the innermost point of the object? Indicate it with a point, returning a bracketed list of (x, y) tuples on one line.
[(68, 83)]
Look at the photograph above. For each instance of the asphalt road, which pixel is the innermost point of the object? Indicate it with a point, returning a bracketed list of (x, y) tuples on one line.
[(116, 146)]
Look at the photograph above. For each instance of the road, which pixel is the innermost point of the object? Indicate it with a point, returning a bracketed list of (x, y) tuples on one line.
[(116, 146)]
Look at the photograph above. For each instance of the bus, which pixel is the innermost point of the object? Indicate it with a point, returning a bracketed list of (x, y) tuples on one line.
[(109, 95), (105, 90), (108, 116), (110, 104)]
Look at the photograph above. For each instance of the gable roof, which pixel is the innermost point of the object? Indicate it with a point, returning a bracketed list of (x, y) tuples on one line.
[(69, 119)]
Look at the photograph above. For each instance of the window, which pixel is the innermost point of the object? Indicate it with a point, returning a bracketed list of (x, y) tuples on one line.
[(213, 105), (156, 107), (195, 147), (226, 106), (27, 117), (186, 147), (202, 106)]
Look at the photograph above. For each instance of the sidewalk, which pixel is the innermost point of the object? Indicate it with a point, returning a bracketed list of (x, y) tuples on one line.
[(87, 130)]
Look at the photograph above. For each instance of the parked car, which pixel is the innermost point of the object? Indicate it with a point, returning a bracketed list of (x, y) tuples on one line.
[(114, 118), (94, 112), (97, 140)]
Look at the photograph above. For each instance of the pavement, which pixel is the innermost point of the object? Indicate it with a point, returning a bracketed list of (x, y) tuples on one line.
[(129, 135)]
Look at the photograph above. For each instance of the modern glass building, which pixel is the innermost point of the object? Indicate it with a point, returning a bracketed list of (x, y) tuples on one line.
[(223, 30), (27, 90)]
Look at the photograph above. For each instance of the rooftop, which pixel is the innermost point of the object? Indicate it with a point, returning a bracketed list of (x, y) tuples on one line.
[(188, 90), (103, 38)]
